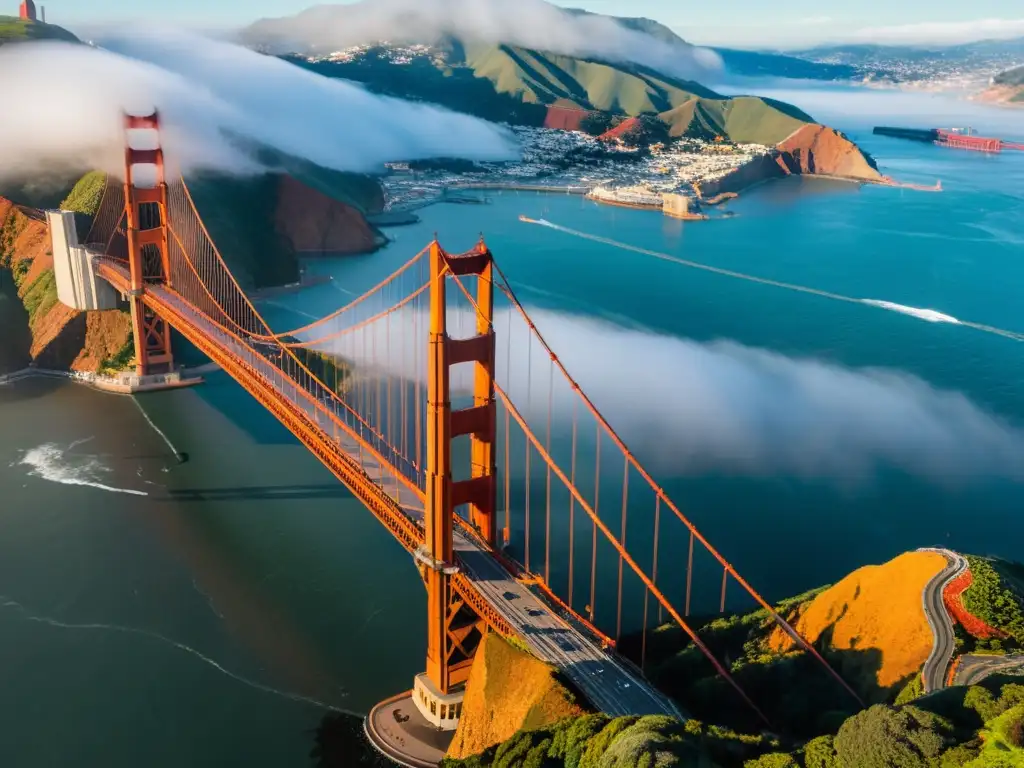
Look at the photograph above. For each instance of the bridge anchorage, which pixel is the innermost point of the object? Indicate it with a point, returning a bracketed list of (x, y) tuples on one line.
[(588, 547)]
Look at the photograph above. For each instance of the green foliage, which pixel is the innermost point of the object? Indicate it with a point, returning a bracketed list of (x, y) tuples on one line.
[(912, 690), (86, 195), (14, 30), (958, 756), (121, 360), (996, 595), (1011, 77), (332, 371), (890, 737), (41, 295), (506, 83), (773, 760), (983, 702), (821, 753)]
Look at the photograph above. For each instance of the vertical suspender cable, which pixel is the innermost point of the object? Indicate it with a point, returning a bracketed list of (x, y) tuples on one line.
[(529, 387), (572, 500), (625, 504), (547, 523), (597, 506), (689, 576), (725, 580)]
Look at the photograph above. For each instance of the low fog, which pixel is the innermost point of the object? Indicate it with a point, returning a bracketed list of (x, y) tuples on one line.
[(527, 23), (63, 106), (689, 408)]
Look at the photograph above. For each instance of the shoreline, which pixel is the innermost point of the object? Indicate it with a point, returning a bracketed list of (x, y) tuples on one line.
[(122, 384)]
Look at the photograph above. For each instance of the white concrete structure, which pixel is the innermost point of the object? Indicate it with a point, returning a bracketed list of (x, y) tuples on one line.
[(440, 710), (77, 284)]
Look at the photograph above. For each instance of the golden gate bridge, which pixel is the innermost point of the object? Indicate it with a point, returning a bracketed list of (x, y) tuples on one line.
[(557, 538)]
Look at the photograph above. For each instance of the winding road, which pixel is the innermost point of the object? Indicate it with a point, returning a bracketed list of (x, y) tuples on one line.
[(933, 674)]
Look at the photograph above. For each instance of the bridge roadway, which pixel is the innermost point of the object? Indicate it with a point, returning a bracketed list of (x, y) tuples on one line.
[(607, 681)]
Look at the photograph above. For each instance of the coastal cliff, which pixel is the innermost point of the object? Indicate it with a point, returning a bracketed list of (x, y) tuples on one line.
[(312, 222), (811, 150), (508, 690), (59, 337)]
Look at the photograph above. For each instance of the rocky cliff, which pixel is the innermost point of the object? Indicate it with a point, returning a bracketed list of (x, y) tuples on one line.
[(312, 222), (508, 690), (812, 150), (59, 337)]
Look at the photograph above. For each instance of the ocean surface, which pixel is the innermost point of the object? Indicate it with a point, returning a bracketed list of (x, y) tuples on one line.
[(215, 612)]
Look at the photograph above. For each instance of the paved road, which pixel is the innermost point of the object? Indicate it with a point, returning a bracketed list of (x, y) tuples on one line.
[(976, 667), (610, 683), (934, 672)]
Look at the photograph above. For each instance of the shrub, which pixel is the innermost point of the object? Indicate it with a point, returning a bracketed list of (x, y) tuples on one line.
[(821, 753), (887, 737)]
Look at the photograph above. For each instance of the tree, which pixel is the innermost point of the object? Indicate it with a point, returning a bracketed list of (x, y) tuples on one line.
[(887, 737), (773, 760), (821, 753)]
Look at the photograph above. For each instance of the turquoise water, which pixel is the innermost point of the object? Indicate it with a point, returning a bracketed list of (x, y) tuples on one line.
[(218, 618)]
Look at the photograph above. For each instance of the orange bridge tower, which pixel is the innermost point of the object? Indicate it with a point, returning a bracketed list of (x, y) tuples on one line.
[(27, 11), (453, 630), (148, 259)]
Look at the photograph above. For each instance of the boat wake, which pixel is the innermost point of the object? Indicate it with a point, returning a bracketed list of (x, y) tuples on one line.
[(6, 602), (928, 315), (52, 463)]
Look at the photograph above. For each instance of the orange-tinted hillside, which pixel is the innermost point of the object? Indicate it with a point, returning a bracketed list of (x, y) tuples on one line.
[(61, 338), (876, 611), (508, 690)]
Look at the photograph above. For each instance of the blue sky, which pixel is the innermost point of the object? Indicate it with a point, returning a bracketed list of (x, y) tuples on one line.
[(733, 22)]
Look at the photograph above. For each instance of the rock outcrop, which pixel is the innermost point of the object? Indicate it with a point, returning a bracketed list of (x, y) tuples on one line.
[(812, 150), (820, 150), (313, 223), (60, 337), (508, 690)]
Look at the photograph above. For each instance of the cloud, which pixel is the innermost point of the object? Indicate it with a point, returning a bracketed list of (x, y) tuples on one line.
[(688, 408), (528, 23), (63, 106), (941, 33)]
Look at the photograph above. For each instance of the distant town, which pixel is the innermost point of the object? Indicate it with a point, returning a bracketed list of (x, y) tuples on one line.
[(575, 161)]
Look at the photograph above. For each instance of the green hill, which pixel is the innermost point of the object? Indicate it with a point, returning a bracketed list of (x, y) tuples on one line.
[(1014, 81), (15, 30), (507, 83), (1011, 77)]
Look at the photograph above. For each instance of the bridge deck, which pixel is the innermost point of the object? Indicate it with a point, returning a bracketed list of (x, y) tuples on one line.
[(608, 682)]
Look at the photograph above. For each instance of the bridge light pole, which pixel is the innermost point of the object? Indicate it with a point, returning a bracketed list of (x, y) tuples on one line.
[(148, 247)]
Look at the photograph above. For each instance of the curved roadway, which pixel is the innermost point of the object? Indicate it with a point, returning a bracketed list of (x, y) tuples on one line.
[(933, 674)]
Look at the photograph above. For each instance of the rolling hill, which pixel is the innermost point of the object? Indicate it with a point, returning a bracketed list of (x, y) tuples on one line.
[(507, 83), (526, 86), (15, 30), (1007, 88)]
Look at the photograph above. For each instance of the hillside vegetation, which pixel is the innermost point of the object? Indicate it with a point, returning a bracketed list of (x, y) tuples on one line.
[(507, 83), (860, 625), (996, 596), (1013, 77), (977, 727), (15, 30)]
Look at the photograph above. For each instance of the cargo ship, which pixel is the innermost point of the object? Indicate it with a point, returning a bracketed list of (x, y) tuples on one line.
[(954, 138)]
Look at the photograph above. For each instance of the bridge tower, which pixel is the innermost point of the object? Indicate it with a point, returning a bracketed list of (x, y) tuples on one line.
[(148, 255), (453, 630)]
